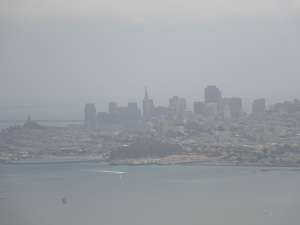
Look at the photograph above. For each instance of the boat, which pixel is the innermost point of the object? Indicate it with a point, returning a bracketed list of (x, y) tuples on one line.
[(64, 200)]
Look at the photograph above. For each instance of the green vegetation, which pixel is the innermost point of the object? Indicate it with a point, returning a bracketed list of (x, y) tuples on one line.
[(145, 149)]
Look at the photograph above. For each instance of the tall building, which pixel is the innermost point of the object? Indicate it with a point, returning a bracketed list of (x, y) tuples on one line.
[(199, 108), (171, 113), (162, 126), (174, 104), (134, 114), (212, 94), (182, 108), (160, 111), (112, 107), (258, 107), (106, 118), (294, 107), (129, 117), (129, 114), (147, 107), (211, 110), (227, 112), (90, 115), (235, 106)]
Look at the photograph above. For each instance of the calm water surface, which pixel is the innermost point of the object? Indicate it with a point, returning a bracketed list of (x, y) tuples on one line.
[(163, 195)]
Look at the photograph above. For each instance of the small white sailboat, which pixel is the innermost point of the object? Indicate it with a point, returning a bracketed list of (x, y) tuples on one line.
[(268, 213)]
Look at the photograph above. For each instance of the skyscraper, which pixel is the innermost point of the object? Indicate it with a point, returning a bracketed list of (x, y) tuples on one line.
[(227, 112), (211, 110), (174, 104), (235, 106), (134, 114), (199, 108), (147, 107), (212, 95), (258, 107), (112, 107), (90, 115), (182, 108)]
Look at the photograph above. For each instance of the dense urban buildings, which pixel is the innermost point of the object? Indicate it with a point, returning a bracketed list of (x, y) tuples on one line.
[(216, 132), (175, 116), (162, 119), (90, 115)]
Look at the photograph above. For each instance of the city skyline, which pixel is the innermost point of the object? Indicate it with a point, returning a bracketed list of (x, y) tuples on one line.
[(214, 106), (70, 53), (148, 99), (76, 111)]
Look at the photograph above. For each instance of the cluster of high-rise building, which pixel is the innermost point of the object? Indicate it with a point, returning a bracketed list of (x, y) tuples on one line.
[(217, 106), (159, 118)]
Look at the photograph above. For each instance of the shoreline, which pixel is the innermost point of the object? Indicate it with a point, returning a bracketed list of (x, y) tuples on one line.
[(92, 159), (60, 162), (148, 161)]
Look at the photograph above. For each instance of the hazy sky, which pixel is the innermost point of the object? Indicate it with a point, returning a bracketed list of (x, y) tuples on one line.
[(74, 52)]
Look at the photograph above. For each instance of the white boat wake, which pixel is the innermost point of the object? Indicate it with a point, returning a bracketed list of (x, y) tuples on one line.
[(108, 171)]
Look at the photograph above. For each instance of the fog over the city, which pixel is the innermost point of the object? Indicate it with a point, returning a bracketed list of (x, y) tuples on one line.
[(56, 53)]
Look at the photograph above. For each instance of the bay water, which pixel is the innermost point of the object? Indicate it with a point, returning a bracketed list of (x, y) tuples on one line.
[(99, 193)]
